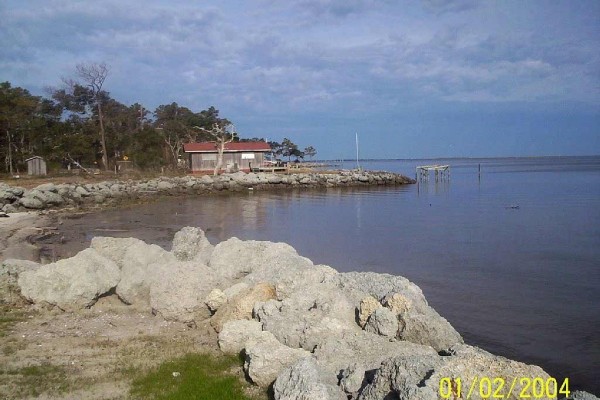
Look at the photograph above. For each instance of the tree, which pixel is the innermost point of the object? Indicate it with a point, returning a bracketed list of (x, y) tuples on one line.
[(222, 133), (276, 149), (93, 76), (289, 148), (26, 123), (310, 151)]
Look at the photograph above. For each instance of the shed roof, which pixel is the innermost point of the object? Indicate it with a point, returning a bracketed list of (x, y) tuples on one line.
[(211, 147), (34, 158)]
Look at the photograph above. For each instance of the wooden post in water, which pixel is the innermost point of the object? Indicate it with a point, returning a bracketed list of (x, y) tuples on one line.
[(479, 172)]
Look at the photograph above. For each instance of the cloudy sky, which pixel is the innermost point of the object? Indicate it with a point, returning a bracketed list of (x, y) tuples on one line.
[(428, 78)]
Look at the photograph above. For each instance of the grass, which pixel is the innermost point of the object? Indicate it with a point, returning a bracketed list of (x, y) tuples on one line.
[(31, 381), (197, 376), (8, 318)]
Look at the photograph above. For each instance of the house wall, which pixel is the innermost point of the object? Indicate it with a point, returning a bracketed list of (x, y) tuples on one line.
[(208, 161)]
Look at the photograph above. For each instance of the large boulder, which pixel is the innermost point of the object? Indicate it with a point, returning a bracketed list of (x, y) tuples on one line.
[(31, 203), (266, 357), (72, 283), (177, 291), (242, 305), (139, 267), (234, 259), (302, 381), (191, 244), (361, 351), (308, 316), (235, 334), (419, 322), (408, 376), (10, 292), (114, 248)]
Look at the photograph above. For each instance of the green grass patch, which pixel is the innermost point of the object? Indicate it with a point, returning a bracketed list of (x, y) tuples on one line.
[(197, 376)]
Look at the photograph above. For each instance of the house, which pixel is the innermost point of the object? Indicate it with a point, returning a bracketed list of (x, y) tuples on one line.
[(237, 155), (36, 166)]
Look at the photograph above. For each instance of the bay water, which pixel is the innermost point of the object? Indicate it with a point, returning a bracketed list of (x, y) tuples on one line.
[(510, 256)]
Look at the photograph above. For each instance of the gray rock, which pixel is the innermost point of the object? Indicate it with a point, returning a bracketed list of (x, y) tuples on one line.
[(422, 324), (10, 292), (383, 322), (242, 305), (190, 243), (139, 267), (367, 306), (164, 185), (7, 197), (236, 289), (82, 191), (397, 303), (32, 203), (215, 299), (309, 316), (114, 248), (207, 180), (48, 187), (177, 291), (45, 197), (275, 179), (71, 284), (352, 379), (338, 351), (235, 334), (580, 395), (409, 376), (266, 357), (10, 208), (235, 259), (302, 381)]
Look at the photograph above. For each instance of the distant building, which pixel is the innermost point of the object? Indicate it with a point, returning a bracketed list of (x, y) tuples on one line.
[(36, 166), (238, 156)]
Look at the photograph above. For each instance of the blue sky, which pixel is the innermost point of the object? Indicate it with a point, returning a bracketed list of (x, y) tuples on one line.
[(429, 78)]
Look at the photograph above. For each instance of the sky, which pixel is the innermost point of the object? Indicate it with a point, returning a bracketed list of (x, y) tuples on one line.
[(414, 79)]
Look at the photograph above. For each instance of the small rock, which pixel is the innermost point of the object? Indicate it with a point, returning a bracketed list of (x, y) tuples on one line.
[(235, 334), (215, 299), (367, 306), (383, 322), (397, 303), (266, 357), (241, 306)]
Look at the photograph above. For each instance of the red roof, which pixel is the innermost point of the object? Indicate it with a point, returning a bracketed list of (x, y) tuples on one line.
[(208, 147)]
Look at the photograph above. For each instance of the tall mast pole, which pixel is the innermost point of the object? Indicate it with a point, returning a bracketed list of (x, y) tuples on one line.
[(357, 163)]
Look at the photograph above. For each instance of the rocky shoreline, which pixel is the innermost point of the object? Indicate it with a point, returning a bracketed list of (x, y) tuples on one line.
[(307, 331), (50, 195)]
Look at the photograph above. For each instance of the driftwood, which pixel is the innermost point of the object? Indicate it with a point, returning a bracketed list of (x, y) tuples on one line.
[(77, 164)]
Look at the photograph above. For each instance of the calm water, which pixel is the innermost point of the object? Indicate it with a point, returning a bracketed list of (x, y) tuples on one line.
[(521, 282)]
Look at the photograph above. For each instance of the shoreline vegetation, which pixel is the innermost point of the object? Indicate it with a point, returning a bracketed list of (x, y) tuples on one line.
[(121, 310)]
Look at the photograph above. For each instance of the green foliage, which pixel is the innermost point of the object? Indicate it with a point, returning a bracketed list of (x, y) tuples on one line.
[(147, 150), (310, 151), (200, 376), (66, 128)]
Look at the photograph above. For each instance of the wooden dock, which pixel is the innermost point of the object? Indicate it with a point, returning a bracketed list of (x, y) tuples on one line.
[(441, 172)]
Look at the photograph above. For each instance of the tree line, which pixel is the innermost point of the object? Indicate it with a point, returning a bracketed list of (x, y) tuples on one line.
[(81, 124)]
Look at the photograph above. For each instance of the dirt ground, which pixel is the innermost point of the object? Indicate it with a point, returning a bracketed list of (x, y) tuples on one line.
[(91, 354)]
